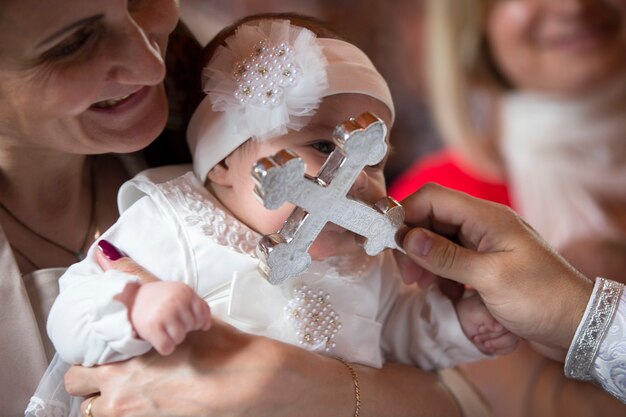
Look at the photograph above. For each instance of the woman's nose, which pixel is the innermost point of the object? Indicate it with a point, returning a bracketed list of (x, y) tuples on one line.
[(138, 58)]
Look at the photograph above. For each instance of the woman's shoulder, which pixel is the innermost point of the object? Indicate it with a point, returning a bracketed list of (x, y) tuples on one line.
[(449, 169)]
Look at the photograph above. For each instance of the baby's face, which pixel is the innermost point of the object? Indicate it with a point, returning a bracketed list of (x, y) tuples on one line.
[(313, 144)]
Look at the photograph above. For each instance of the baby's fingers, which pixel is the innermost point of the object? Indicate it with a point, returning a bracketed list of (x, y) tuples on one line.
[(187, 318), (502, 345), (162, 341), (202, 313), (176, 330)]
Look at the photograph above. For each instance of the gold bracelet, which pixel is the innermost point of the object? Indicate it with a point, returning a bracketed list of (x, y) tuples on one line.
[(357, 389)]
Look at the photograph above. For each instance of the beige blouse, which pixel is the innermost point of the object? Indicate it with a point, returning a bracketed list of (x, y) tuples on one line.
[(25, 349)]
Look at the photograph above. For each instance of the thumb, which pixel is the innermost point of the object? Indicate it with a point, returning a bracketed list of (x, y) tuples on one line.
[(442, 257), (110, 257)]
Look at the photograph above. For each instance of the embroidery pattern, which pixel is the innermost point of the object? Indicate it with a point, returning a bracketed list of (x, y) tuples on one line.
[(609, 368), (592, 329), (214, 222)]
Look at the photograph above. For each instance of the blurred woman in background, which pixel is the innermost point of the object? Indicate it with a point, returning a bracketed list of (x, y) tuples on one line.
[(530, 97)]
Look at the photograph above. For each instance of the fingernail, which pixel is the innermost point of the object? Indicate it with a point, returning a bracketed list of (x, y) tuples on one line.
[(109, 250), (418, 243)]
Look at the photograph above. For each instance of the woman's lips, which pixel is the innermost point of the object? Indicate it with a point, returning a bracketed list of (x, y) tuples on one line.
[(110, 103), (581, 39), (121, 103)]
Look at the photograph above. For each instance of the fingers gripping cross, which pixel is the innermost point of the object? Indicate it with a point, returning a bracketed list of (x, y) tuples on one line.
[(318, 200)]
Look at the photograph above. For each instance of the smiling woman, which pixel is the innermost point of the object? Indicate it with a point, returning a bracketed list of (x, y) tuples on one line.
[(77, 78), (101, 73)]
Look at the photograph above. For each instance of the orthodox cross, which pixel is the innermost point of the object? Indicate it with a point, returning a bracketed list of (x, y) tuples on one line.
[(281, 178)]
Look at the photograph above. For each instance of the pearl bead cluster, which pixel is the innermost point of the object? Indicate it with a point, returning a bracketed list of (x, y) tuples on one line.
[(263, 76), (314, 318)]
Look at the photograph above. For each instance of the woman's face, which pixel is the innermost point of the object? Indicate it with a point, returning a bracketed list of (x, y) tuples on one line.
[(558, 45), (83, 76)]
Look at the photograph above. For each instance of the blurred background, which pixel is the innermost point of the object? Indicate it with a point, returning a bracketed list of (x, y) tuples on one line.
[(389, 32)]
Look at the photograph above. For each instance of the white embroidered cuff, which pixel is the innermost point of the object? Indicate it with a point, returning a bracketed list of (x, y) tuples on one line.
[(609, 367), (592, 329)]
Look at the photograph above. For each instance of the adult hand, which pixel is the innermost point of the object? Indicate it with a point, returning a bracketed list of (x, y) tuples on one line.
[(214, 373), (526, 285)]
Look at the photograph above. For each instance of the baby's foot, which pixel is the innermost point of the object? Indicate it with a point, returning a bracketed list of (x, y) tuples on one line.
[(489, 336), (495, 340)]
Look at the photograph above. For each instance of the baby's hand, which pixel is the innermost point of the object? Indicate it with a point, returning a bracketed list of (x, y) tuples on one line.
[(489, 336), (163, 312)]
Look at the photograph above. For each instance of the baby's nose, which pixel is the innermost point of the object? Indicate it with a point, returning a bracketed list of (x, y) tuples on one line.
[(359, 188)]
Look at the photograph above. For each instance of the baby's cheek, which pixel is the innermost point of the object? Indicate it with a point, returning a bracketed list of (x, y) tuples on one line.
[(273, 220)]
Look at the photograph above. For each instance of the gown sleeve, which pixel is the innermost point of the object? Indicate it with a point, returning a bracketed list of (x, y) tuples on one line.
[(86, 324)]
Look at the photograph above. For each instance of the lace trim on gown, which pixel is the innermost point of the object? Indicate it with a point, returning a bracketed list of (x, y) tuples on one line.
[(199, 209), (38, 407)]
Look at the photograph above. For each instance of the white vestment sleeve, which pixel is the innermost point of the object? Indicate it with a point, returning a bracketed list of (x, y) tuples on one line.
[(86, 325), (598, 350), (609, 368)]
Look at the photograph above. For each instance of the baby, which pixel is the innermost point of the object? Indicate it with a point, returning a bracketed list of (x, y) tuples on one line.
[(271, 84)]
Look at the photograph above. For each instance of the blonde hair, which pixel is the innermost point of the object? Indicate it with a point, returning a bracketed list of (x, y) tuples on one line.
[(462, 78)]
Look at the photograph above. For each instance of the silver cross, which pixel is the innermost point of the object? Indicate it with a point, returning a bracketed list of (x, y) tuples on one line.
[(281, 178)]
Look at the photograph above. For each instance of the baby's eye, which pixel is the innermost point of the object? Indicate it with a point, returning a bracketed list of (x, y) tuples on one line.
[(325, 147)]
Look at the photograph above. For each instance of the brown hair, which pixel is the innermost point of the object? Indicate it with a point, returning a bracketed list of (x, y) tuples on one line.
[(463, 77), (317, 26)]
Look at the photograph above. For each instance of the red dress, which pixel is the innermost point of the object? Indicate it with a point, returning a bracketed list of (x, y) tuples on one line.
[(447, 169)]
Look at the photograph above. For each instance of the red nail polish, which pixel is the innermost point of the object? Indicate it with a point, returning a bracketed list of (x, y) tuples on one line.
[(109, 250)]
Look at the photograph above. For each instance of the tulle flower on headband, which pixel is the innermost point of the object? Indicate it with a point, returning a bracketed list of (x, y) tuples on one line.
[(270, 77)]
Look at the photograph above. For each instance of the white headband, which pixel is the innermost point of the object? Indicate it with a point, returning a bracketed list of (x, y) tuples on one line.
[(270, 77)]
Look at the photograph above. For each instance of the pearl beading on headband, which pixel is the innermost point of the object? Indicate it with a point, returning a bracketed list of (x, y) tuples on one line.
[(263, 76)]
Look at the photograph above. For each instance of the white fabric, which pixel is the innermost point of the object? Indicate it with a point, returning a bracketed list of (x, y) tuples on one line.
[(609, 367), (567, 160), (329, 67), (179, 231)]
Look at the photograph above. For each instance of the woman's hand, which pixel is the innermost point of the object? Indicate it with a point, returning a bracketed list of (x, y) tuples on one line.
[(223, 372), (526, 285), (214, 373)]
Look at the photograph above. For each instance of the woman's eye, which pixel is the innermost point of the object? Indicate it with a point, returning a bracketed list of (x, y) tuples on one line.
[(324, 147), (72, 45)]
